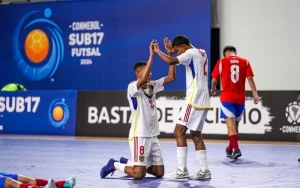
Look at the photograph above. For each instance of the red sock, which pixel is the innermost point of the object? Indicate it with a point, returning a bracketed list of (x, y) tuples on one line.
[(229, 148), (60, 184), (25, 185), (234, 142), (41, 182)]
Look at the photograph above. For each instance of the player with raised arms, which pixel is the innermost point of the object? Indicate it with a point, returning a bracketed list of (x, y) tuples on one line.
[(195, 109), (145, 149)]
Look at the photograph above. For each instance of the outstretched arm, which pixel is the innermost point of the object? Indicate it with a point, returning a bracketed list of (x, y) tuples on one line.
[(166, 58), (147, 70), (172, 68)]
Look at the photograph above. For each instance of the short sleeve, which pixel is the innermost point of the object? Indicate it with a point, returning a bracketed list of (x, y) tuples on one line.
[(158, 85), (185, 58), (132, 89), (249, 72), (217, 70)]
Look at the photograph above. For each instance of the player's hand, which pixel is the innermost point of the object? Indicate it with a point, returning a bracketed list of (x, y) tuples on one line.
[(168, 46), (155, 46), (298, 99), (151, 47), (256, 99), (213, 91)]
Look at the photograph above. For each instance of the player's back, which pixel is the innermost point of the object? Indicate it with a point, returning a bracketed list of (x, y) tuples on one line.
[(196, 79), (234, 71)]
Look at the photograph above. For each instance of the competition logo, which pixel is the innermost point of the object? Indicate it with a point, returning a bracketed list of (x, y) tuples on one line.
[(38, 47), (292, 113), (58, 113)]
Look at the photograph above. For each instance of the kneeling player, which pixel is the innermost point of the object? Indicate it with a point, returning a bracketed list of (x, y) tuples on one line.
[(20, 181), (144, 145)]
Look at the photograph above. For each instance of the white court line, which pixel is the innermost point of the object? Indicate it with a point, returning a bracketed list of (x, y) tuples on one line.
[(294, 144), (279, 184)]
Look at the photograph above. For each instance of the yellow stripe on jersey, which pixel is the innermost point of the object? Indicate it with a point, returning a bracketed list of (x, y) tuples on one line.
[(134, 121), (193, 94)]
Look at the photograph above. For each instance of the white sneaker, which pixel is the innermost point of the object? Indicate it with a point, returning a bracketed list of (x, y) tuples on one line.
[(201, 175), (179, 174), (51, 184)]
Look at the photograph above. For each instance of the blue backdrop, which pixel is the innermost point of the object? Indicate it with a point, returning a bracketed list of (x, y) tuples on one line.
[(38, 112), (93, 45)]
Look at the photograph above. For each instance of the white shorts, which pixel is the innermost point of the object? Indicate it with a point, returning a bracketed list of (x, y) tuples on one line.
[(192, 118), (145, 151)]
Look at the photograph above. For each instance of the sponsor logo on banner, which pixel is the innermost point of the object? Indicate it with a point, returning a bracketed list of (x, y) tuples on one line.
[(292, 114), (19, 104), (39, 47), (256, 118), (109, 115), (85, 40), (58, 112), (44, 47)]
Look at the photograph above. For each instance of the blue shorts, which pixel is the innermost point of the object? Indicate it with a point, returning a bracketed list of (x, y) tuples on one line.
[(3, 177), (229, 109)]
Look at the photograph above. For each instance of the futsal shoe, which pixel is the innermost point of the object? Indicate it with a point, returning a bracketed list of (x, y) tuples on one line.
[(201, 175), (179, 174), (228, 153), (51, 184), (109, 168), (236, 154), (123, 160), (70, 182)]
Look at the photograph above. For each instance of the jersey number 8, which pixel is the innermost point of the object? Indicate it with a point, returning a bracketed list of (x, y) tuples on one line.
[(234, 71)]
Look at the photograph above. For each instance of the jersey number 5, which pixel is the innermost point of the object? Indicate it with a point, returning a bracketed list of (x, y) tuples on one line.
[(234, 71)]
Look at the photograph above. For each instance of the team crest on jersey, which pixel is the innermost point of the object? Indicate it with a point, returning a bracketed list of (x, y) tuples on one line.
[(141, 158)]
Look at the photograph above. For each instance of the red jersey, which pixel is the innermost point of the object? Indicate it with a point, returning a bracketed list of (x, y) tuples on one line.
[(233, 71)]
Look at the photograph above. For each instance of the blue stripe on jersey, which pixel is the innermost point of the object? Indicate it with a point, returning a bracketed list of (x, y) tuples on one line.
[(134, 102), (192, 68)]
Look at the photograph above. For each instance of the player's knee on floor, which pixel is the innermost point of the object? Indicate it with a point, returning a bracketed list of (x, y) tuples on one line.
[(157, 171), (139, 175)]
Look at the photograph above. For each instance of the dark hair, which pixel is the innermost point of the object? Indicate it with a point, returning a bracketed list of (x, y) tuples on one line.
[(229, 48), (138, 65), (180, 39)]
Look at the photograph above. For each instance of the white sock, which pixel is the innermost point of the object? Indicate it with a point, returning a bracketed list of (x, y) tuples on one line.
[(182, 158), (120, 166), (201, 158), (129, 163)]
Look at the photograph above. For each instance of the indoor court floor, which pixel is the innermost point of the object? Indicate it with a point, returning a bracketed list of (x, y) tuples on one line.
[(262, 164)]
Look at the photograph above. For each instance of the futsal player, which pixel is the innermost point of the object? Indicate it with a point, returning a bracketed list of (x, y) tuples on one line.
[(197, 104), (233, 71), (19, 181), (145, 149)]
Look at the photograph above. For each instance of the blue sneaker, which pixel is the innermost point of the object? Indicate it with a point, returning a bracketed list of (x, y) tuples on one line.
[(70, 182), (109, 168), (123, 160)]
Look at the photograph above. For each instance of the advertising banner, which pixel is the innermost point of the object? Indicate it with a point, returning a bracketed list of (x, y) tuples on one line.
[(93, 45), (38, 112), (275, 118)]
